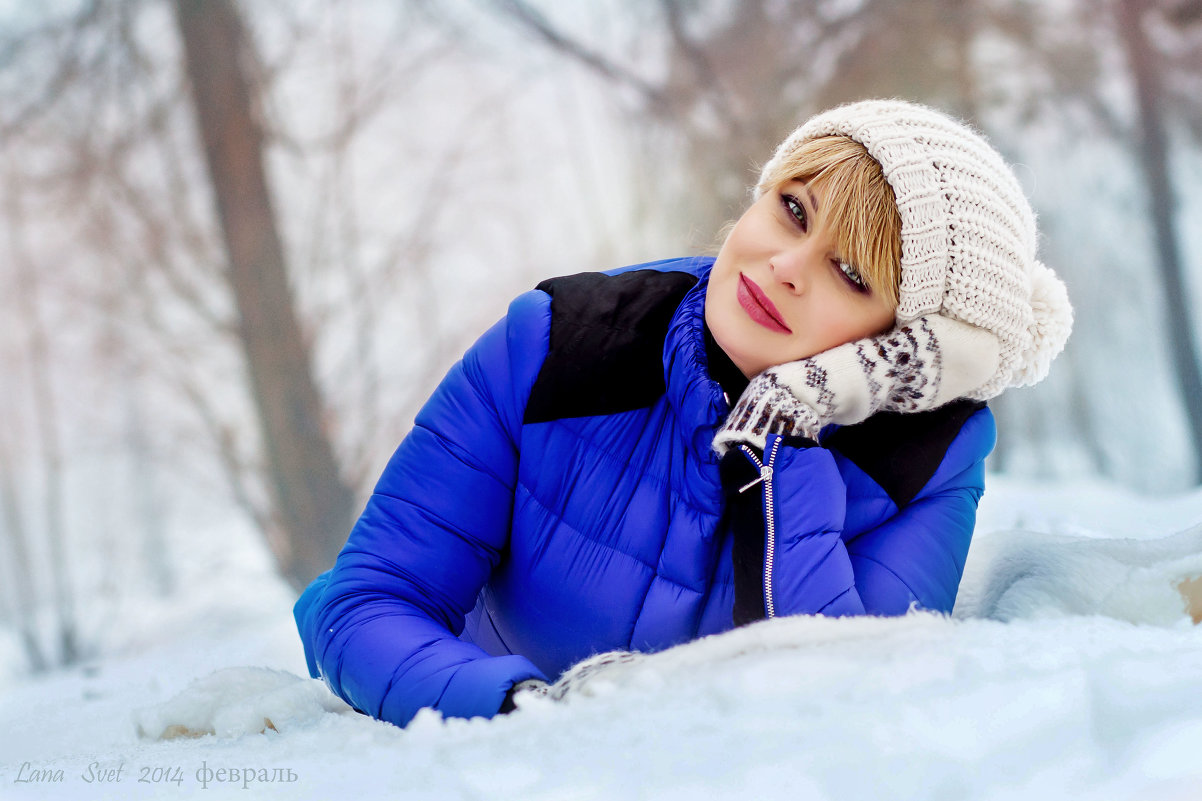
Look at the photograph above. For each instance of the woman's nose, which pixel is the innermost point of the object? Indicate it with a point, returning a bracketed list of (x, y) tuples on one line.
[(794, 267)]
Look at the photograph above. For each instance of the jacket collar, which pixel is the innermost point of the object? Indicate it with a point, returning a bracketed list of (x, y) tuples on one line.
[(696, 397)]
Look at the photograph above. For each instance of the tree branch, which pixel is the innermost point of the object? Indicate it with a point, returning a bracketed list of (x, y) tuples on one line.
[(535, 23)]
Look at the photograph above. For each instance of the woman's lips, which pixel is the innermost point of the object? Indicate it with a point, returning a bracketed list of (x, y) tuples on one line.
[(758, 307)]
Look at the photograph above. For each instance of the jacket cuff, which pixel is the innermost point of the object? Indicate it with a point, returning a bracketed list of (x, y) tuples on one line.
[(479, 687)]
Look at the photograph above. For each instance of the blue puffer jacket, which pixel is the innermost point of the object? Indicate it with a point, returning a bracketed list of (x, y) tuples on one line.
[(558, 497)]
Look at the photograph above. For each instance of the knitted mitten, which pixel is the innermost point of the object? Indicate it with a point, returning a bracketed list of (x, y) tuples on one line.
[(577, 680), (580, 678), (910, 368)]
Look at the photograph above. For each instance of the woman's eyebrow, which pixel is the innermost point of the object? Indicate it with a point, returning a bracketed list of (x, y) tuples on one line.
[(812, 196)]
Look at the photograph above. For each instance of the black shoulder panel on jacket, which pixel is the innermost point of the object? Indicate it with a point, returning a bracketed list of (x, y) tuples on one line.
[(606, 352), (901, 452)]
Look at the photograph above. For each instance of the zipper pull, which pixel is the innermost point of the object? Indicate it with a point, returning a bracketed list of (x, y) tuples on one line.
[(765, 474)]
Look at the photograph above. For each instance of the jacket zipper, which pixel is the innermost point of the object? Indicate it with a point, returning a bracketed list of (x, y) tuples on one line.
[(769, 518)]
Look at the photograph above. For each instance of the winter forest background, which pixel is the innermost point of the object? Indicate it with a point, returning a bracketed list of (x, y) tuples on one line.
[(242, 241)]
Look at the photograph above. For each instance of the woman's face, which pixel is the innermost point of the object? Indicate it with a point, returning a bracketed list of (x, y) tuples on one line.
[(779, 291)]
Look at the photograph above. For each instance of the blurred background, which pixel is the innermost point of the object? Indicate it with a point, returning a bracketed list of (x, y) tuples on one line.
[(242, 240)]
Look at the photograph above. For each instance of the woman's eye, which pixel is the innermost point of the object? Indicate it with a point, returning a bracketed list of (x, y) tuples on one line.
[(795, 210), (852, 275)]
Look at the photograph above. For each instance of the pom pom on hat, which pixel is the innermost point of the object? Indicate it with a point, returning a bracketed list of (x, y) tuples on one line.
[(1053, 321), (968, 232)]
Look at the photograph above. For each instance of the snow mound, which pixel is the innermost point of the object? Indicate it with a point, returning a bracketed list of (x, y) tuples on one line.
[(1014, 575), (237, 701), (759, 658)]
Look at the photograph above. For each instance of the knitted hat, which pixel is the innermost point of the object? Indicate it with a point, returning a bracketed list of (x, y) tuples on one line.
[(967, 231)]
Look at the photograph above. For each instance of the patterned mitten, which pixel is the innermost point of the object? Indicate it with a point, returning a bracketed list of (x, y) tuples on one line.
[(580, 679), (910, 368)]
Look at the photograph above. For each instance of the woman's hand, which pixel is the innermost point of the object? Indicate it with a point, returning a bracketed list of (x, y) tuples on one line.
[(910, 368)]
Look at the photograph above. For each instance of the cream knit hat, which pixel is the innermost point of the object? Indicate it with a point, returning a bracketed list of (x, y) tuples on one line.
[(968, 233)]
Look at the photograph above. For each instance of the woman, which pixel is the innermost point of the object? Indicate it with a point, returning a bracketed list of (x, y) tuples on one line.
[(579, 483)]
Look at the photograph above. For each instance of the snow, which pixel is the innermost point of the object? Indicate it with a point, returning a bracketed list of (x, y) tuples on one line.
[(236, 701), (1069, 670)]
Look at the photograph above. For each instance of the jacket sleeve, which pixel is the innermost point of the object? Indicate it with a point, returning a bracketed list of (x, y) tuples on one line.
[(381, 628), (805, 562), (916, 556)]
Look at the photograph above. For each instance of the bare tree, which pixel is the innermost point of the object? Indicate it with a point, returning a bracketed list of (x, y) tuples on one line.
[(20, 591), (28, 300), (210, 306), (738, 76), (1132, 19), (311, 500)]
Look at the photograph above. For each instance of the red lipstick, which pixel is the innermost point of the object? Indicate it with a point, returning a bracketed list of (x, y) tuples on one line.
[(758, 307)]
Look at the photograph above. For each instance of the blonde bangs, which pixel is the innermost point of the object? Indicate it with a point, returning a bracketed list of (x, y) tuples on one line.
[(858, 203)]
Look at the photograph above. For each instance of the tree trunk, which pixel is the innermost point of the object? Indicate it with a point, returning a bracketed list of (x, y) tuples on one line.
[(313, 505), (18, 566), (28, 298), (1153, 161)]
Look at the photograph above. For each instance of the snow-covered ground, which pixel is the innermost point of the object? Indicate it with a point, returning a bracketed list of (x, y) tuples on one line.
[(1069, 670)]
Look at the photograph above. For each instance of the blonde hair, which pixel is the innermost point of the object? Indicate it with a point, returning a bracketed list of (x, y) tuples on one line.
[(858, 202)]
